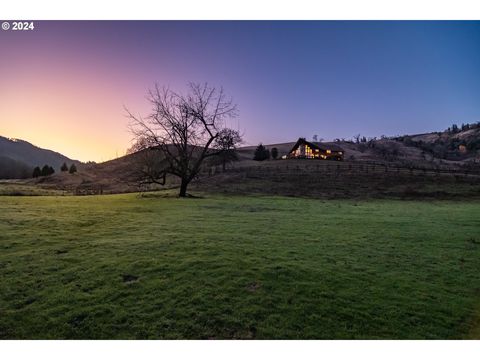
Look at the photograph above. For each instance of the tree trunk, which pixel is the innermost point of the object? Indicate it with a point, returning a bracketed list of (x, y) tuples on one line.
[(183, 188), (224, 165)]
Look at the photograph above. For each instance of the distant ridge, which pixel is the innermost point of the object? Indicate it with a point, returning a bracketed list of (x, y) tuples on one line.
[(27, 155)]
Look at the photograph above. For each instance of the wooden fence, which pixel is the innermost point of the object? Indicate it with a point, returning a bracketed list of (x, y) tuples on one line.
[(346, 167)]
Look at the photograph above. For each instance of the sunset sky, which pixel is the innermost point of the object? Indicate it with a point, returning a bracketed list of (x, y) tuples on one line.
[(63, 85)]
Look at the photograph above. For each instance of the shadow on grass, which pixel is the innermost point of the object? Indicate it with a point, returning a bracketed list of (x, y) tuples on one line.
[(167, 194)]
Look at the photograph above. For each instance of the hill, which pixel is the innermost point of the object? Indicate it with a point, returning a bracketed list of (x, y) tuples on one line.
[(19, 157), (408, 165), (454, 146)]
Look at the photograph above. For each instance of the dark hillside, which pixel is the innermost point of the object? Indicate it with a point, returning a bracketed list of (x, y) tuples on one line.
[(31, 155), (14, 169)]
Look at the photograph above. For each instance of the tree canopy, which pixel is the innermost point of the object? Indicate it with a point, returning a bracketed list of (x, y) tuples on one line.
[(261, 153)]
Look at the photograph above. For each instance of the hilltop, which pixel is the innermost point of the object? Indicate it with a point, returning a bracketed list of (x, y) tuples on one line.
[(455, 146)]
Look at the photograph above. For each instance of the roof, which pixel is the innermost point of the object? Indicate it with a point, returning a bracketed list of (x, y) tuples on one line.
[(317, 145), (328, 146)]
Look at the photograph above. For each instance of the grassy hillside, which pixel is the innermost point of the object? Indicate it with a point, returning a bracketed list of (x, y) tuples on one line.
[(331, 180), (125, 266), (455, 151), (454, 145), (297, 177), (23, 188), (458, 146)]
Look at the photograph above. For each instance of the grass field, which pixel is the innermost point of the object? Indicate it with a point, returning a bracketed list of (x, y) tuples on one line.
[(17, 188), (126, 266)]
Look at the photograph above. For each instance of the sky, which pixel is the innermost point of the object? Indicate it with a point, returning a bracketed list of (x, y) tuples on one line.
[(64, 85)]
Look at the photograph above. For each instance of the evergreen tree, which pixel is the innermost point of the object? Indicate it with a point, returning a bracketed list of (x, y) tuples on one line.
[(37, 172), (261, 153), (267, 154), (64, 167), (274, 153), (73, 169), (45, 170)]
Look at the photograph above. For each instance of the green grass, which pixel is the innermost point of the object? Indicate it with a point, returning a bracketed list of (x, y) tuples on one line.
[(19, 188), (125, 266)]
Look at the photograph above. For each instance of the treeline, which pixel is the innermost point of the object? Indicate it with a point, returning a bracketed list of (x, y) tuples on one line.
[(47, 170), (359, 139), (464, 127), (44, 171)]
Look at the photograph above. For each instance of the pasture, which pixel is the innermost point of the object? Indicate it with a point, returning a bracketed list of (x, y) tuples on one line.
[(237, 267)]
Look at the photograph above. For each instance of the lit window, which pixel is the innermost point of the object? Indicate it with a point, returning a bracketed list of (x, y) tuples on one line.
[(329, 151)]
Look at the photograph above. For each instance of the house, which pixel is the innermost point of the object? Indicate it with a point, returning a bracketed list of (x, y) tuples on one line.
[(304, 149)]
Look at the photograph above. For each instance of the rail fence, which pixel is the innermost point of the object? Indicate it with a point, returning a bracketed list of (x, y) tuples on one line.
[(348, 168)]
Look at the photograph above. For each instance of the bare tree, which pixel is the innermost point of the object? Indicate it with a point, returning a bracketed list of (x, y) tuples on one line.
[(181, 130)]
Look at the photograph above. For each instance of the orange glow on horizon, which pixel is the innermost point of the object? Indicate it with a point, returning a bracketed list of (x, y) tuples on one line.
[(76, 113)]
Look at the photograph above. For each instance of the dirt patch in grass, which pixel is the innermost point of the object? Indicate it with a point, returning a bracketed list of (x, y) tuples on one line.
[(77, 320), (253, 287), (128, 278)]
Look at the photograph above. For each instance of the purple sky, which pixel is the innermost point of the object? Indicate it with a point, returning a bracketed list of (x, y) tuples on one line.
[(63, 85)]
